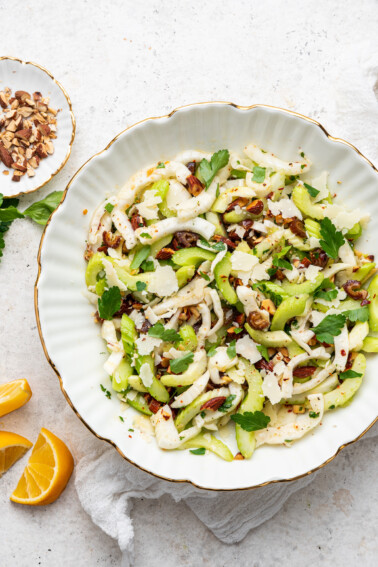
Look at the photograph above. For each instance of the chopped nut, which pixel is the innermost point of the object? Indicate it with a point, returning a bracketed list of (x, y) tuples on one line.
[(304, 371), (255, 207), (195, 187), (213, 403), (238, 457), (165, 254), (257, 321), (269, 306)]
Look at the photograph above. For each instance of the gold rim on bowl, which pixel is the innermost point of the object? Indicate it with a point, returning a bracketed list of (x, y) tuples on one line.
[(292, 113), (73, 121)]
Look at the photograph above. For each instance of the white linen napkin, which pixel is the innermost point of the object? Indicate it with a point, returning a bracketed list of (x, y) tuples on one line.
[(349, 108)]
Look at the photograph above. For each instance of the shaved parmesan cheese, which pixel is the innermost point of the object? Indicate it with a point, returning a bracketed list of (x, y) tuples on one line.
[(238, 229), (346, 254), (260, 272), (150, 315), (285, 207), (146, 375), (220, 362), (271, 388), (148, 208), (137, 317), (218, 258), (247, 347), (320, 183), (146, 344), (345, 220), (242, 261), (163, 281), (113, 362), (260, 227), (311, 272)]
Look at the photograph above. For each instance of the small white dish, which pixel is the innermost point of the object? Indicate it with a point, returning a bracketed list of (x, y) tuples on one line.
[(72, 342), (31, 77)]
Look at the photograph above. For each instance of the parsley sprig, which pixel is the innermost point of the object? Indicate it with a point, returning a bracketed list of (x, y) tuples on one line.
[(251, 421), (181, 364), (329, 328), (332, 239), (279, 261), (209, 169), (160, 332), (109, 303)]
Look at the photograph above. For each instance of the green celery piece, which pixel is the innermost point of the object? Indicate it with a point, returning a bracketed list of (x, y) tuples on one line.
[(221, 273), (341, 395), (312, 228), (233, 217), (194, 371), (363, 273), (136, 383), (159, 244), (304, 288), (269, 338), (210, 443), (354, 233), (139, 403), (94, 267), (128, 334), (120, 378), (184, 274), (186, 415), (373, 306), (294, 349), (266, 246), (129, 280), (304, 203), (157, 390), (161, 189), (370, 344), (192, 256), (100, 286), (189, 338), (253, 401), (214, 218), (291, 307)]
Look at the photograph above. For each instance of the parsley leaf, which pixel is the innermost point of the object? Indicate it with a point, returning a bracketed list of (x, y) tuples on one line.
[(349, 374), (208, 170), (4, 225), (106, 392), (145, 235), (10, 214), (160, 332), (217, 246), (121, 418), (109, 303), (200, 451), (329, 328), (231, 349), (278, 260), (326, 295), (311, 190), (258, 174), (212, 350), (109, 207), (140, 286), (178, 365), (227, 404), (148, 266), (140, 257), (360, 314), (160, 165), (332, 239), (204, 276), (263, 351), (40, 211), (251, 421)]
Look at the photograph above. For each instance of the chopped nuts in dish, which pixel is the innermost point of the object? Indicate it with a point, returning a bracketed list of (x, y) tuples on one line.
[(28, 126)]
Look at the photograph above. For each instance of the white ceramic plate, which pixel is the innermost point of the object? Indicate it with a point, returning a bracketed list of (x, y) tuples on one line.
[(72, 341), (30, 77)]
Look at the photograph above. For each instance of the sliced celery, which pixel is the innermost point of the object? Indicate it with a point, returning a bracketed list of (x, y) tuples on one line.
[(192, 256), (304, 203), (120, 378), (363, 273), (253, 401), (128, 334), (373, 306), (184, 274), (221, 273), (210, 443), (304, 288), (157, 389), (345, 392), (312, 228), (269, 338), (291, 307), (229, 195), (189, 338), (370, 344), (214, 218), (94, 267), (139, 403)]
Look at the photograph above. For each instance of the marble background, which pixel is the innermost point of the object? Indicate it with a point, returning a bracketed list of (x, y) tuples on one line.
[(122, 61)]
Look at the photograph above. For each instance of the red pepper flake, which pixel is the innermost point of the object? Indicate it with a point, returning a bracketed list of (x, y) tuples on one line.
[(130, 436), (342, 352), (365, 302), (85, 211)]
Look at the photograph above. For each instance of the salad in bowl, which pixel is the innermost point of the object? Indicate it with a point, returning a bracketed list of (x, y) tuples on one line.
[(230, 290)]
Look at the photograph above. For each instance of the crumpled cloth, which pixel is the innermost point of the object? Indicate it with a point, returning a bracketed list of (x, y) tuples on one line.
[(345, 101)]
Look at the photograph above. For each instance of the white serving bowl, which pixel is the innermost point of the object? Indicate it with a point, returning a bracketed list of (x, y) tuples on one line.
[(72, 341), (31, 77)]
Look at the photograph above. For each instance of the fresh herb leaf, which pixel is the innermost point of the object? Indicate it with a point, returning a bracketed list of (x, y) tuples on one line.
[(160, 165), (208, 170), (106, 392), (140, 286), (326, 295), (109, 207), (40, 211), (332, 239), (10, 214), (203, 414), (359, 314), (329, 328), (181, 364), (200, 451), (204, 276), (238, 173), (131, 429), (237, 330), (258, 174), (279, 261), (311, 190), (217, 246), (145, 235), (121, 418), (4, 226), (231, 349), (227, 404), (271, 272), (263, 351), (349, 374), (140, 257), (109, 303), (251, 421), (148, 266), (212, 350), (160, 332), (314, 414), (302, 154)]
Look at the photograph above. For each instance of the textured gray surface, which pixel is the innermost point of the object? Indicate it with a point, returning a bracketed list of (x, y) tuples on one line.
[(122, 61)]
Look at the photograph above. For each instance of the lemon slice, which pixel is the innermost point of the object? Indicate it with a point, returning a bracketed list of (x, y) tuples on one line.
[(13, 395), (12, 447), (48, 470)]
